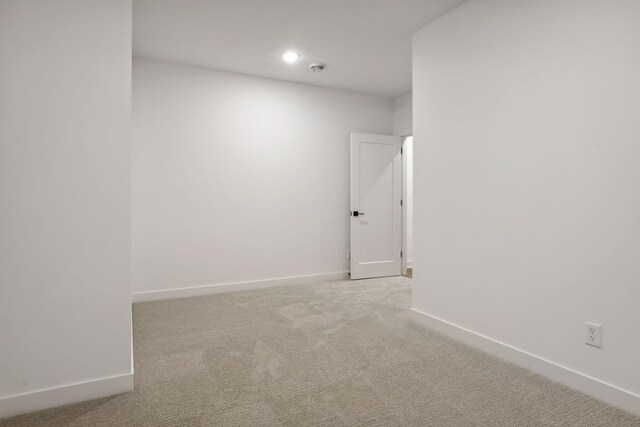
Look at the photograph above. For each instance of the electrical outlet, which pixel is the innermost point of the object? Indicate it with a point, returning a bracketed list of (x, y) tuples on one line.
[(594, 334)]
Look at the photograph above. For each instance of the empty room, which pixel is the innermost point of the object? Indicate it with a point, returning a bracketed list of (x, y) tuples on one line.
[(320, 213)]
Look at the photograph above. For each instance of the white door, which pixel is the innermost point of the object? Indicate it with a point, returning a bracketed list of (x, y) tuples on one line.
[(376, 188)]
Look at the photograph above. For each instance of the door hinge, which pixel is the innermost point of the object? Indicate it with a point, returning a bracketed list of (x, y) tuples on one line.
[(400, 202), (401, 151), (400, 254)]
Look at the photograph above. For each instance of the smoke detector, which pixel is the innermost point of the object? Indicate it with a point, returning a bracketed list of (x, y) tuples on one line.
[(316, 68)]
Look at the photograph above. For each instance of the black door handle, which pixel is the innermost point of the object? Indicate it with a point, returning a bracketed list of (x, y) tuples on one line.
[(356, 213)]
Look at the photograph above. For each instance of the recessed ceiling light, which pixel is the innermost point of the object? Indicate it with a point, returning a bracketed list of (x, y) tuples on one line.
[(291, 56)]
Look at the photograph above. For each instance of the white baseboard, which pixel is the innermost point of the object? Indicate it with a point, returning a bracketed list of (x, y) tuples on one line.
[(65, 395), (195, 291), (606, 392)]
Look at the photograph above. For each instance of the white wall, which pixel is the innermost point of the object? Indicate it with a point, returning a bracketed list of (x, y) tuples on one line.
[(237, 178), (402, 115), (527, 130), (65, 317)]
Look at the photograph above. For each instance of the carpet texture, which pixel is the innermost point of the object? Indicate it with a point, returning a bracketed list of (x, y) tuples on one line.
[(327, 354)]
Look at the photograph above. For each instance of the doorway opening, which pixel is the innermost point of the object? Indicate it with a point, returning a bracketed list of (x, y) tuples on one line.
[(407, 206)]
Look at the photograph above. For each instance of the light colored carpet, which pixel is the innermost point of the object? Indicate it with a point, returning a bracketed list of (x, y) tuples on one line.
[(338, 353)]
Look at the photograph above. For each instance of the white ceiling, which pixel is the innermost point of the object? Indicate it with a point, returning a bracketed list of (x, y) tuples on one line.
[(366, 44)]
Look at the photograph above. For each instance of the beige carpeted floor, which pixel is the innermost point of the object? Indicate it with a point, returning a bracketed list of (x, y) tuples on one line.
[(339, 353)]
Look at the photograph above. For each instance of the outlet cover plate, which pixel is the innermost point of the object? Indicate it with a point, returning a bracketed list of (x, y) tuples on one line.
[(593, 334)]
